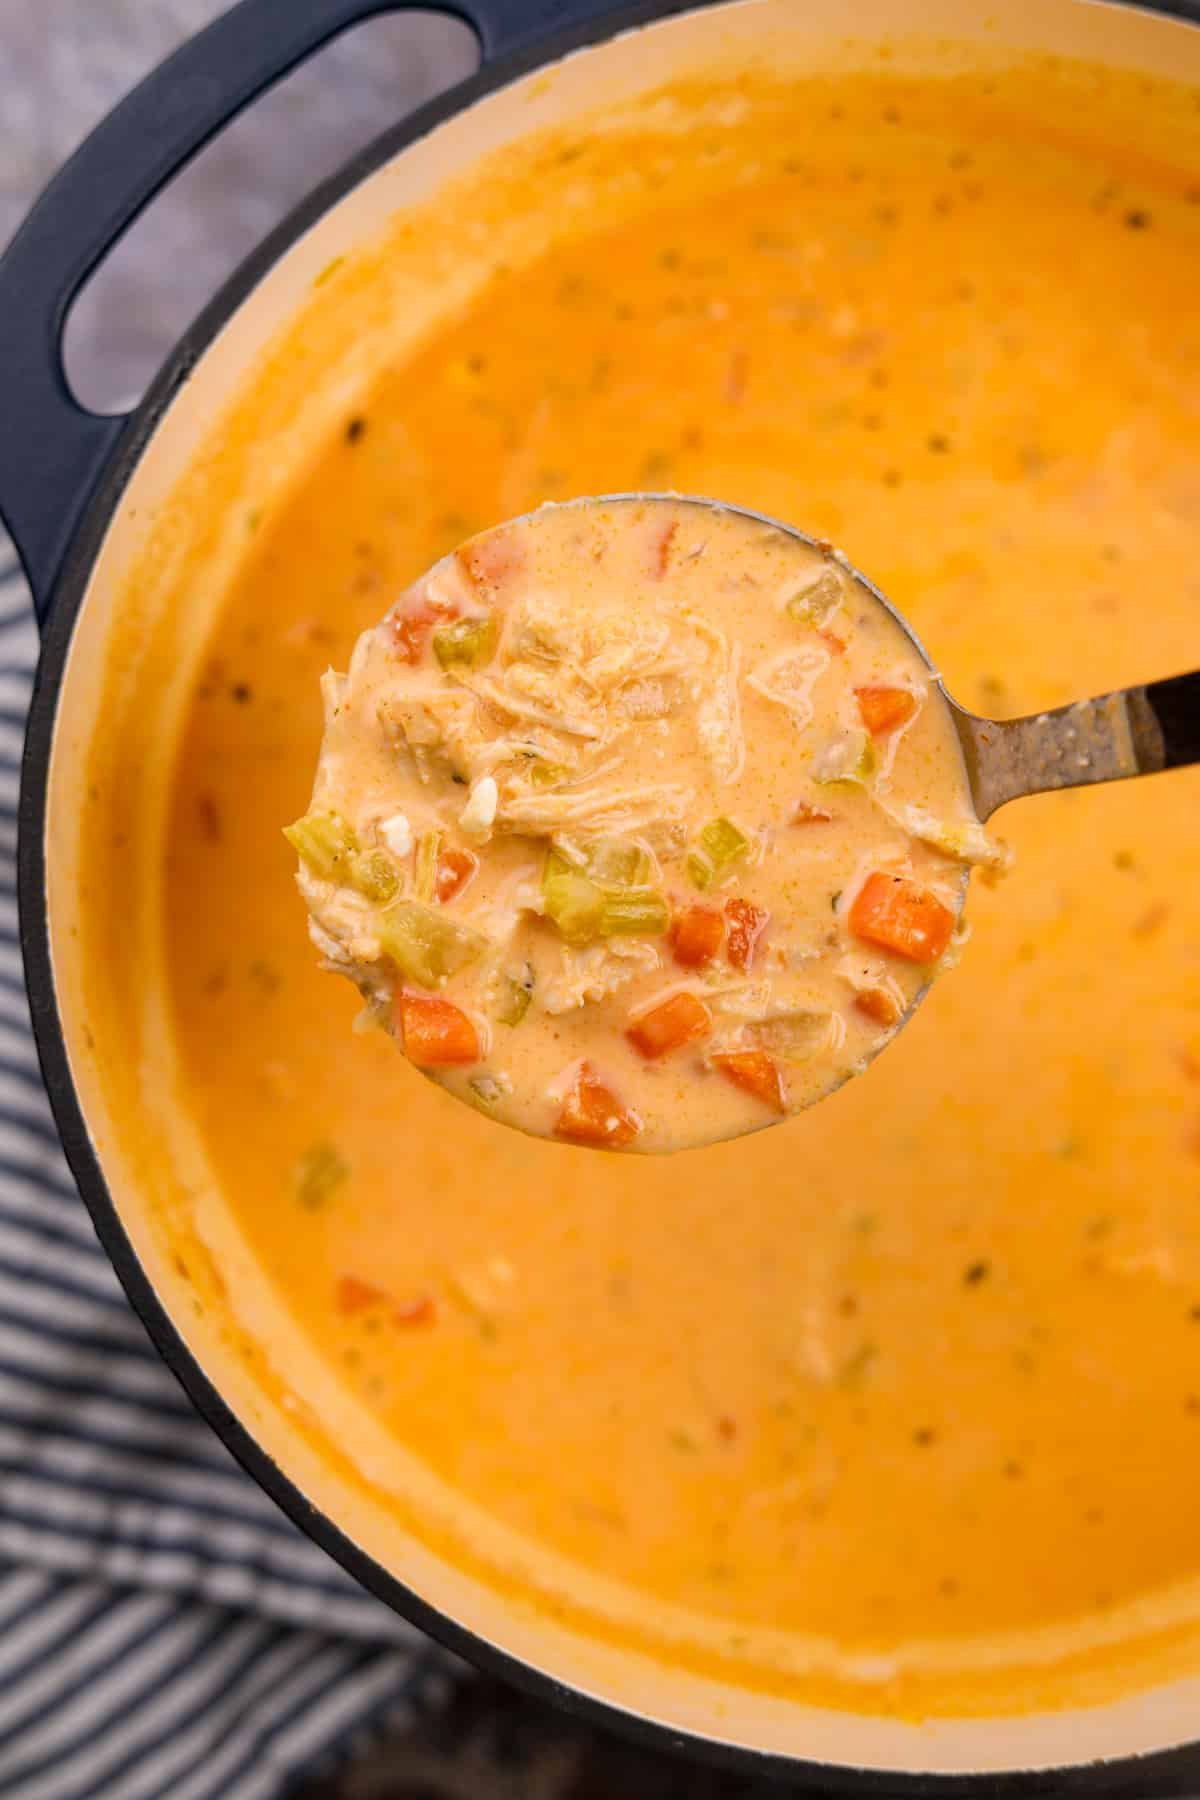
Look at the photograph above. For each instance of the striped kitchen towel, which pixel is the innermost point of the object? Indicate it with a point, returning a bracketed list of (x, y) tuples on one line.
[(164, 1630)]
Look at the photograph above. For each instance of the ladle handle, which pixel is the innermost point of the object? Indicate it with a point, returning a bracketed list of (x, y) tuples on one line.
[(1136, 731)]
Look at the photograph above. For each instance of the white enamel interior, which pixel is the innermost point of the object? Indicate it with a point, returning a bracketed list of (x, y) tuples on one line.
[(782, 33)]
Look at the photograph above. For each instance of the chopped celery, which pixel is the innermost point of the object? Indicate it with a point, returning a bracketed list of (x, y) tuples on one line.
[(634, 911), (426, 945), (429, 847), (516, 994), (374, 877), (609, 900), (574, 903), (817, 604), (721, 843), (850, 758), (466, 642), (329, 847), (325, 842)]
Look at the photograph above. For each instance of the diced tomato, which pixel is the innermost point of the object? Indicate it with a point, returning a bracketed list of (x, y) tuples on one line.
[(669, 1026), (833, 642), (411, 627), (883, 709), (420, 1311), (492, 560), (437, 1035), (696, 935), (897, 915), (664, 543), (454, 869), (807, 814), (355, 1296), (747, 923), (592, 1114), (877, 1004), (756, 1073)]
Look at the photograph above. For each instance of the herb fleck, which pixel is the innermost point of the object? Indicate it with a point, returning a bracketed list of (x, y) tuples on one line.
[(319, 1171)]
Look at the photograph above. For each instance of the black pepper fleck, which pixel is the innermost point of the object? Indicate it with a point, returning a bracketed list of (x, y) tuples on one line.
[(355, 429), (241, 692), (1136, 219), (976, 1272)]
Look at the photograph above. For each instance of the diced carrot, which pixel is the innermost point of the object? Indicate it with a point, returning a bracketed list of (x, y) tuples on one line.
[(897, 915), (756, 1073), (492, 560), (669, 1026), (664, 543), (883, 709), (695, 936), (454, 869), (411, 628), (592, 1114), (420, 1311), (355, 1296), (877, 1004), (436, 1034), (747, 923), (833, 642), (807, 814)]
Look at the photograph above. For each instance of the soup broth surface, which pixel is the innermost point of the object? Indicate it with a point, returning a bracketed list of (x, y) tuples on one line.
[(921, 1367)]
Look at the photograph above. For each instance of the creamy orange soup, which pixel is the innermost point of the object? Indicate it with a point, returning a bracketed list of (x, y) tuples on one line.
[(560, 738), (917, 1374)]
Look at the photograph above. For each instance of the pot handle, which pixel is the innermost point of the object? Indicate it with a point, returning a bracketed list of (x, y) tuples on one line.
[(52, 450)]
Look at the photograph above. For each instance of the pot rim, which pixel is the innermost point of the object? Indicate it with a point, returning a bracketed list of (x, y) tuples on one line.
[(1164, 1771)]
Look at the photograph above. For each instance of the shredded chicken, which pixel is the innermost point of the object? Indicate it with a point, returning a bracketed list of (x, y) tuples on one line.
[(964, 839), (789, 679), (595, 973), (657, 812)]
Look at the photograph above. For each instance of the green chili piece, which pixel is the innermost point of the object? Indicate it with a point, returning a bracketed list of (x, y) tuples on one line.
[(427, 945), (373, 876), (324, 842), (817, 604), (516, 994), (466, 643), (545, 774)]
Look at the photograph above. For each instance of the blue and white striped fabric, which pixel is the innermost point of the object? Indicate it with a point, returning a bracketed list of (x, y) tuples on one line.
[(164, 1630)]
